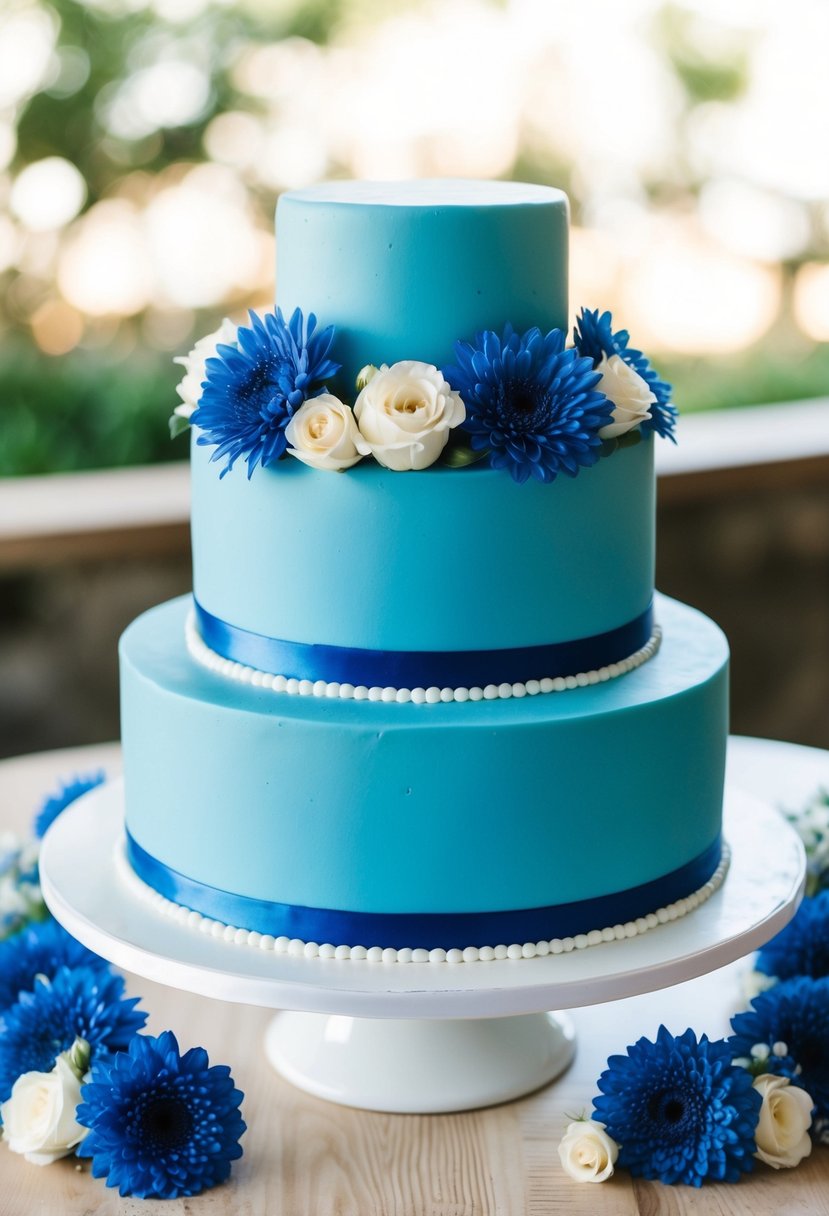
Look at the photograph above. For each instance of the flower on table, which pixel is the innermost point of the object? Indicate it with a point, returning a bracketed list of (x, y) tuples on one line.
[(405, 413), (162, 1124), (782, 1131), (794, 1014), (679, 1108), (253, 388), (595, 338), (587, 1153), (67, 793), (83, 1003), (39, 1118), (39, 949), (190, 386), (533, 404), (21, 901), (802, 947), (323, 433), (812, 826)]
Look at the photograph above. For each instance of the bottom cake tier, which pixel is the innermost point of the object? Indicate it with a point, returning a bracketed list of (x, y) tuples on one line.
[(431, 827)]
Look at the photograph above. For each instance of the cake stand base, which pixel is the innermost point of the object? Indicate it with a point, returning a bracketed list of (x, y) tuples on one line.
[(414, 1037), (408, 1066)]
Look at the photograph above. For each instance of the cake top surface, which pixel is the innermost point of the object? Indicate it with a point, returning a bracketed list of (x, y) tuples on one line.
[(430, 192)]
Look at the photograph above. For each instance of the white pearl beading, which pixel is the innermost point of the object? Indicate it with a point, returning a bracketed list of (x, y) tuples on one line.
[(379, 954), (202, 653)]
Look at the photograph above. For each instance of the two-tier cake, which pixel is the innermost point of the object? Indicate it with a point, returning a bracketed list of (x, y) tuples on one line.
[(423, 699)]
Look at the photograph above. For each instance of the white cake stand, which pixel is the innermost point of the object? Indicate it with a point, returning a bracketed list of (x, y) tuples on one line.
[(415, 1037)]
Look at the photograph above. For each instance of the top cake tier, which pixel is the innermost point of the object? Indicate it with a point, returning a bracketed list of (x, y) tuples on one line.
[(404, 269)]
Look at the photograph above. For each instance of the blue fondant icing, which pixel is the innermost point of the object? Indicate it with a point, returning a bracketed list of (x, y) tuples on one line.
[(452, 808), (422, 669), (455, 930), (443, 559), (404, 269)]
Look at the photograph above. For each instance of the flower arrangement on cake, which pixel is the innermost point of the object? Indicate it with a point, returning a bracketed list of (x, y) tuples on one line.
[(688, 1110), (77, 1076), (526, 402)]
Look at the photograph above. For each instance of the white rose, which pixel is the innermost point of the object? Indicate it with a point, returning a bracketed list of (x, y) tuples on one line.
[(782, 1132), (324, 434), (194, 364), (405, 414), (39, 1117), (627, 392), (587, 1153)]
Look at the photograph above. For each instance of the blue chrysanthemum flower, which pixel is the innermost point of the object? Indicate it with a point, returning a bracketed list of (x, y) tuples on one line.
[(161, 1124), (532, 404), (679, 1109), (85, 1003), (593, 337), (802, 948), (40, 949), (68, 792), (794, 1013), (252, 389)]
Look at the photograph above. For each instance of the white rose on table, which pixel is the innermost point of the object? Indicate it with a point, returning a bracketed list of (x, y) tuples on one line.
[(195, 370), (324, 434), (405, 413), (628, 393), (39, 1117), (587, 1153), (782, 1132)]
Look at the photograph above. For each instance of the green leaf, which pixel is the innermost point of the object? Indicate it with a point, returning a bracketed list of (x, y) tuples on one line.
[(178, 425), (630, 438), (459, 455)]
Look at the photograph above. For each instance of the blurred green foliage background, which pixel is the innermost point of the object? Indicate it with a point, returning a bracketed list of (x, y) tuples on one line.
[(143, 144)]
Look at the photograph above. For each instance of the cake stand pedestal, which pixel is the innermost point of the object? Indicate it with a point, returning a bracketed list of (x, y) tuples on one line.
[(415, 1037)]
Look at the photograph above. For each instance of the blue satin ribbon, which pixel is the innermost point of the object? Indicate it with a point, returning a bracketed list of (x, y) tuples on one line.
[(426, 930), (422, 668)]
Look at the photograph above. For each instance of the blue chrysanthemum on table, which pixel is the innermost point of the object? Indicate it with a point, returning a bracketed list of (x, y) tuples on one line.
[(680, 1110), (161, 1124), (529, 402), (795, 1014), (40, 949), (55, 804), (252, 389), (84, 1003), (802, 948), (594, 337)]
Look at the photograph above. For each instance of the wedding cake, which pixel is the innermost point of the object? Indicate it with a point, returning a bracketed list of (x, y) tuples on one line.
[(424, 702)]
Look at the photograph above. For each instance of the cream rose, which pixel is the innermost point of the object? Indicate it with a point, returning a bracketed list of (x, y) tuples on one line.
[(324, 434), (194, 364), (405, 413), (39, 1117), (627, 392), (782, 1132), (587, 1153)]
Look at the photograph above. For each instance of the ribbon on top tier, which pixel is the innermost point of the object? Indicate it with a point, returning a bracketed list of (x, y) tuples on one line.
[(422, 668)]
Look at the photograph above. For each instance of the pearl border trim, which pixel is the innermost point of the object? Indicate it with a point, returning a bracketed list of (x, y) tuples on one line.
[(377, 954), (208, 658)]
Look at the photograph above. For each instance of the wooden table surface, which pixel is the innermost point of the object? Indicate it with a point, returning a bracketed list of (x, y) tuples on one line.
[(306, 1157)]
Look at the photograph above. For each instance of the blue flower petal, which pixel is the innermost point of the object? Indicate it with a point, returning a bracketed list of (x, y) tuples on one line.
[(252, 390), (794, 1012), (82, 1003), (39, 949), (68, 792), (530, 401), (162, 1125), (594, 337), (679, 1109)]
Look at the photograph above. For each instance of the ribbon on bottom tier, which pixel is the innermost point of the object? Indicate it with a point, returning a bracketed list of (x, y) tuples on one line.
[(425, 930), (422, 668)]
